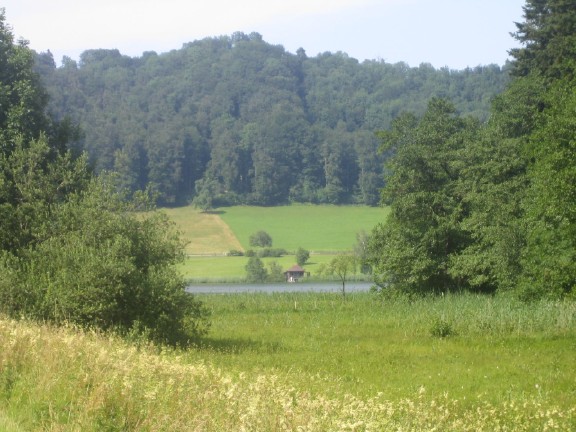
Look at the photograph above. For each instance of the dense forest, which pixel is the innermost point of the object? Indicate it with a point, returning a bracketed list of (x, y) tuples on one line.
[(234, 119), (490, 206)]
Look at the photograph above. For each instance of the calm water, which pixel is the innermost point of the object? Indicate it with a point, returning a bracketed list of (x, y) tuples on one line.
[(280, 287)]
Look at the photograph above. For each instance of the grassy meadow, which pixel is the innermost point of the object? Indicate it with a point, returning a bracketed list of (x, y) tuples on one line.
[(322, 229), (317, 228), (232, 269), (309, 362), (300, 361)]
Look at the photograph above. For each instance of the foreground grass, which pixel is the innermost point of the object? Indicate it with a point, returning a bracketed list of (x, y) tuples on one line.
[(311, 362)]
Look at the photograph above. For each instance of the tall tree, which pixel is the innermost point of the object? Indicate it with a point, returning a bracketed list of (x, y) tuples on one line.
[(548, 36), (550, 255), (36, 168), (413, 250)]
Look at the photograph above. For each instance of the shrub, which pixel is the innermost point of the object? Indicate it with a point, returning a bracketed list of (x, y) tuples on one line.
[(255, 271), (442, 328), (302, 255), (275, 272), (261, 239), (272, 252), (235, 252), (101, 266)]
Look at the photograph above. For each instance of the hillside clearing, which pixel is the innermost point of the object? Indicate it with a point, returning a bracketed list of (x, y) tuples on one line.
[(318, 228), (204, 233)]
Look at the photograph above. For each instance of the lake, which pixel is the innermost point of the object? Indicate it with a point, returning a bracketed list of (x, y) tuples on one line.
[(278, 287)]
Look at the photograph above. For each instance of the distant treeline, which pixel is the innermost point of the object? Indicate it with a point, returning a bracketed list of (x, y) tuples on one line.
[(234, 119)]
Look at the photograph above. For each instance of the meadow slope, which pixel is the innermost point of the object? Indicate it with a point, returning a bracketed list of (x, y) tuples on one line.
[(322, 229)]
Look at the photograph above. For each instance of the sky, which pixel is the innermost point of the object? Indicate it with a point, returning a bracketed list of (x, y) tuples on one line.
[(444, 33)]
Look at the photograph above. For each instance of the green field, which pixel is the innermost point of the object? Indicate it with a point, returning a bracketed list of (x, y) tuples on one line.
[(321, 229), (204, 233), (314, 362), (232, 269), (317, 228), (494, 349)]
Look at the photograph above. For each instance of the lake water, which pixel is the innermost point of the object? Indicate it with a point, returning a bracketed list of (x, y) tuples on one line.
[(280, 287)]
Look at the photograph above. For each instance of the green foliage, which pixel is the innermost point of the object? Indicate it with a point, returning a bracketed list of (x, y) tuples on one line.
[(441, 328), (302, 256), (413, 249), (255, 271), (343, 266), (22, 98), (362, 252), (490, 208), (271, 252), (548, 36), (275, 272), (206, 190), (260, 239), (550, 255), (102, 267), (71, 250)]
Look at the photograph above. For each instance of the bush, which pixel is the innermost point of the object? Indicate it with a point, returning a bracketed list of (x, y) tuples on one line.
[(101, 266), (302, 255), (235, 252), (275, 272), (260, 239), (442, 328), (272, 252), (255, 271)]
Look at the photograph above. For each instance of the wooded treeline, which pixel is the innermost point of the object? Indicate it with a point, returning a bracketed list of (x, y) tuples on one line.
[(490, 207), (234, 119)]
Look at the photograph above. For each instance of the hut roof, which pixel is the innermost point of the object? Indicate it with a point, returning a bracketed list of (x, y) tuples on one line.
[(295, 268)]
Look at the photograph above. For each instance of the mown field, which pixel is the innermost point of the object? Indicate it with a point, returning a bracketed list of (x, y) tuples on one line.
[(312, 362), (322, 229)]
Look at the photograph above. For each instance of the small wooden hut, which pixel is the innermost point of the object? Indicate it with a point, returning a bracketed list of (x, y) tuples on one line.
[(294, 273)]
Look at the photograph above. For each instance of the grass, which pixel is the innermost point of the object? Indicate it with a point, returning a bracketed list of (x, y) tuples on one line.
[(306, 361), (496, 348), (322, 229), (226, 269), (318, 228), (205, 233)]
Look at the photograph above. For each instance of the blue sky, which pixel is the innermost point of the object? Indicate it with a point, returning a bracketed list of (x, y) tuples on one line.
[(452, 33)]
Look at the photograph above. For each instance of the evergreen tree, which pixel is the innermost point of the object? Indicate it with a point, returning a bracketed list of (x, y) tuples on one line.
[(550, 255), (414, 249), (548, 36)]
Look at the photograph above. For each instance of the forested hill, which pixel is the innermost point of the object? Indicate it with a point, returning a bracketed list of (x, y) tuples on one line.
[(234, 119)]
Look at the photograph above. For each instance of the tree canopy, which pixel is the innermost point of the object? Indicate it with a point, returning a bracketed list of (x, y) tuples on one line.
[(489, 207), (71, 247), (236, 120)]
